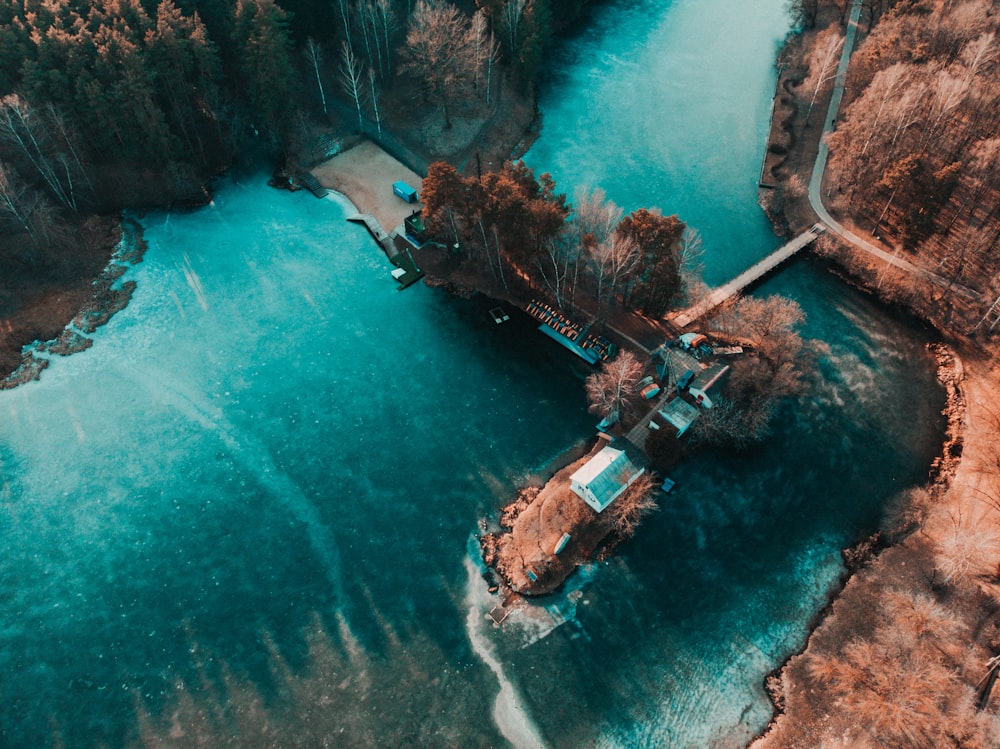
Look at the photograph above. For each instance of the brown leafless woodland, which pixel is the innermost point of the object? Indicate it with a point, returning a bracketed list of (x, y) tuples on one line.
[(915, 157)]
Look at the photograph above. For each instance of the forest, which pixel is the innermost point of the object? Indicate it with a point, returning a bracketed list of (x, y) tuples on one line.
[(135, 104), (510, 232), (916, 150), (907, 655), (132, 103)]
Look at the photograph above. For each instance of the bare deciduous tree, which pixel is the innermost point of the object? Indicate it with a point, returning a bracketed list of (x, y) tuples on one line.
[(823, 65), (373, 99), (510, 21), (609, 389), (485, 51), (900, 685), (978, 52), (440, 51), (376, 19), (17, 202), (593, 221), (314, 54), (621, 256), (611, 262), (491, 57), (344, 9), (632, 505), (757, 383), (23, 128), (885, 88), (765, 323), (907, 110), (368, 36), (690, 259), (385, 22), (479, 31), (558, 265), (991, 317), (970, 547), (948, 92), (736, 424), (351, 77), (594, 214)]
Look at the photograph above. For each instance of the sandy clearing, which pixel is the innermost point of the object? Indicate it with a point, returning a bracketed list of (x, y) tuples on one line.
[(365, 173)]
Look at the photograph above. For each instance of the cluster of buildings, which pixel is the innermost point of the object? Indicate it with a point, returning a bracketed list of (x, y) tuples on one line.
[(688, 372)]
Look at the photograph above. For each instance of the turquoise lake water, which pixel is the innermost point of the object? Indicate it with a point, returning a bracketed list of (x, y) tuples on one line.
[(244, 517)]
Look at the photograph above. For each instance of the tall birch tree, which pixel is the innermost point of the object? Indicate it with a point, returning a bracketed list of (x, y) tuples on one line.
[(16, 201), (823, 66), (351, 79), (314, 54), (610, 388), (23, 128), (373, 100)]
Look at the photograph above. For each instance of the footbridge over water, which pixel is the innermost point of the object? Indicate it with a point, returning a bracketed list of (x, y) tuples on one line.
[(751, 275)]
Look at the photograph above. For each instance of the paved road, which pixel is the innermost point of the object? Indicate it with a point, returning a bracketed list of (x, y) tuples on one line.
[(816, 181)]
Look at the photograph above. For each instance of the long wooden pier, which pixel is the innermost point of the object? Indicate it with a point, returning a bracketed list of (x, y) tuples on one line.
[(750, 276)]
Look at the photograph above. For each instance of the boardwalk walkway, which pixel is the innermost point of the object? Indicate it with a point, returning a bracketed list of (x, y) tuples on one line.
[(751, 275), (396, 248), (378, 233), (638, 434), (309, 181)]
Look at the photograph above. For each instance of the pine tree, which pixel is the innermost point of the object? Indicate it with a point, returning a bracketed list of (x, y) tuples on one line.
[(187, 73), (264, 47)]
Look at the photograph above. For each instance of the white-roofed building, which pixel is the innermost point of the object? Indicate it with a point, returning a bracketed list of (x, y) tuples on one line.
[(605, 476)]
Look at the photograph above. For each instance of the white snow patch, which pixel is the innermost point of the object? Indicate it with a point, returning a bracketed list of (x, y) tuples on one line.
[(509, 713)]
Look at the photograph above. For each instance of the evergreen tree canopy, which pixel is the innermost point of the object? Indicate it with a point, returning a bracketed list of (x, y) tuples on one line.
[(658, 273), (262, 39)]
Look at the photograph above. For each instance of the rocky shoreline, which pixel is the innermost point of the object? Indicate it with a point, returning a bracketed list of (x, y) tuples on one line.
[(803, 711), (108, 297), (539, 515), (950, 373)]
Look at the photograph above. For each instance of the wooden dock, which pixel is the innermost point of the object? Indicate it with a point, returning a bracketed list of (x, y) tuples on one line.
[(569, 334), (403, 260), (395, 247), (378, 233), (308, 181), (748, 277)]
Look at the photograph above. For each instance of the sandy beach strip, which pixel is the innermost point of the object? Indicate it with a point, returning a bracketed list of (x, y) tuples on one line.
[(365, 173)]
